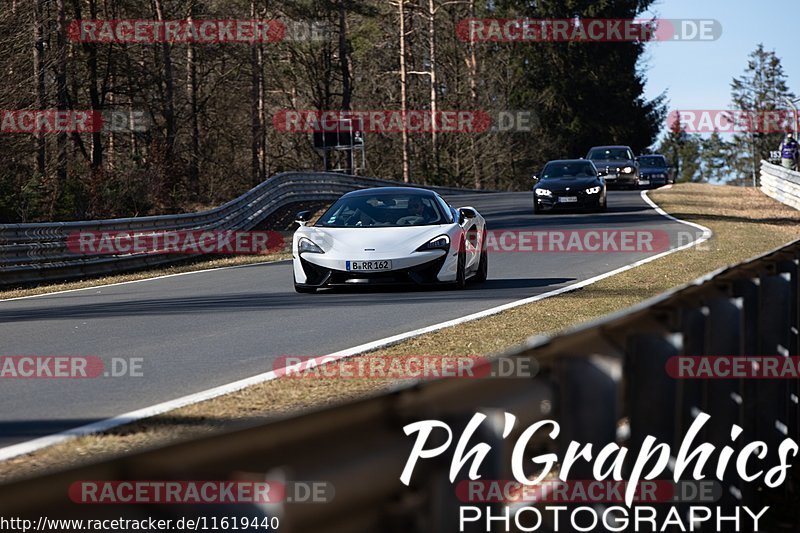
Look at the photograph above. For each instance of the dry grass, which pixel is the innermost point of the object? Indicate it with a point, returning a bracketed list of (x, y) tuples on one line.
[(745, 223)]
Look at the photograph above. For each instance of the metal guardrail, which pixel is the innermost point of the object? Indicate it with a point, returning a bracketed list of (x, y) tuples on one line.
[(603, 382), (781, 184), (38, 252)]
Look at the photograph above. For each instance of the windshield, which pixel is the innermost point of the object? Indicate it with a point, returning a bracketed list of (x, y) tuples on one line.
[(383, 210), (610, 154), (653, 161), (574, 169)]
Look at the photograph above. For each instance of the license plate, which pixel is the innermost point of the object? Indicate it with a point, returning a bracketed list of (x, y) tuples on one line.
[(369, 265), (644, 182), (568, 199)]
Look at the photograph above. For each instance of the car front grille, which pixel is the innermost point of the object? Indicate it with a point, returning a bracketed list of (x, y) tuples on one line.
[(421, 274)]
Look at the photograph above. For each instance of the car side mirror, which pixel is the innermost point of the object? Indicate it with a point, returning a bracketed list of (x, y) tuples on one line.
[(302, 217), (535, 178), (465, 213), (636, 159)]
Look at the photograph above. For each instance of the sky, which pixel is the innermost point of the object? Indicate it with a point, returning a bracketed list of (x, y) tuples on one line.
[(697, 74)]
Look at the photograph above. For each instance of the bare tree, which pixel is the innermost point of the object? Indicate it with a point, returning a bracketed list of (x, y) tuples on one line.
[(62, 103), (257, 106), (403, 89), (194, 128), (39, 77), (168, 84)]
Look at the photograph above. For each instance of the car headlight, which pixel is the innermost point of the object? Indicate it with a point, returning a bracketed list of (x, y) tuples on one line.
[(306, 245), (593, 190), (544, 192), (442, 242), (627, 170)]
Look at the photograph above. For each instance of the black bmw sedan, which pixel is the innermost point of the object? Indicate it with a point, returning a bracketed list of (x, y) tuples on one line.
[(569, 184), (654, 170)]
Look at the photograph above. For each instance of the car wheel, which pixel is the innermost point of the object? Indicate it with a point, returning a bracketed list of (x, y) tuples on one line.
[(535, 209), (461, 268), (603, 206), (483, 264)]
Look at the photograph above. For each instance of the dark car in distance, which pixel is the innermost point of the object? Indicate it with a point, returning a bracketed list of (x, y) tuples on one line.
[(569, 184), (654, 171), (617, 164)]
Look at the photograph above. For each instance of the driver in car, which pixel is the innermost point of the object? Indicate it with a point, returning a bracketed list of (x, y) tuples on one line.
[(417, 214)]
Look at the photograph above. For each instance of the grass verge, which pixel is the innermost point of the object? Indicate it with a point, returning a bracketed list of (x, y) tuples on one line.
[(745, 223)]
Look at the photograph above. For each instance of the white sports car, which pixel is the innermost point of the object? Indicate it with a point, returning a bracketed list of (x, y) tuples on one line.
[(390, 235)]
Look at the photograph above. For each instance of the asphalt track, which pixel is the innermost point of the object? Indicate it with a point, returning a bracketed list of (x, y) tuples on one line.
[(206, 329)]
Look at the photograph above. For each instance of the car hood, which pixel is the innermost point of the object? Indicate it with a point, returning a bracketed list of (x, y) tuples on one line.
[(561, 184), (403, 239)]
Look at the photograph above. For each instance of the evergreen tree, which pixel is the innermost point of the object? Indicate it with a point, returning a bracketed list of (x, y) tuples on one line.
[(760, 89), (682, 150), (715, 154)]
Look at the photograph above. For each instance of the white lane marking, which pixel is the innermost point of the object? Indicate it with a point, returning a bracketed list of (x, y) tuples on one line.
[(706, 232), (133, 416)]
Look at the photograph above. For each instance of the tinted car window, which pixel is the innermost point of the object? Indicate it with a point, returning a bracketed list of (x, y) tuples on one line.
[(609, 154), (652, 161), (384, 210), (576, 169)]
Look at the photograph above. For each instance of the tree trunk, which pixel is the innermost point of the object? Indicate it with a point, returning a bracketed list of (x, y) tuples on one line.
[(96, 155), (257, 108), (344, 58), (62, 104), (169, 86), (191, 89), (403, 88), (434, 100), (344, 65), (472, 69), (38, 74)]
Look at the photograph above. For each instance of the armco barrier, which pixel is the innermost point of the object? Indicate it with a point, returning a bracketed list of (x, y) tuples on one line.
[(38, 252), (781, 183), (603, 382)]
